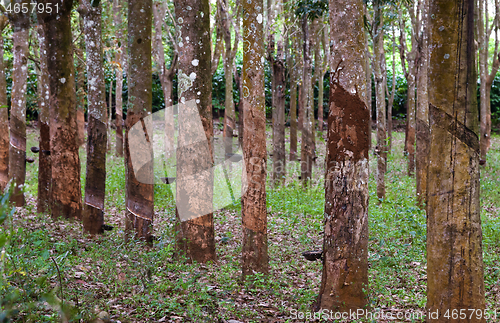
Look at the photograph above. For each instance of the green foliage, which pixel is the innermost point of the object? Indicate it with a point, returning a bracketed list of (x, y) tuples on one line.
[(312, 8)]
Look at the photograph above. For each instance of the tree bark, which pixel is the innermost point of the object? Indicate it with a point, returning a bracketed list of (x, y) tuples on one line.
[(307, 145), (344, 281), (17, 154), (279, 159), (4, 114), (139, 182), (119, 77), (378, 57), (454, 237), (422, 157), (66, 196), (195, 225), (294, 79), (95, 184), (80, 85), (44, 163), (253, 202)]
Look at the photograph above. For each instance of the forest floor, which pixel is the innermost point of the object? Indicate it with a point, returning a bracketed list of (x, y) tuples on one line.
[(50, 269)]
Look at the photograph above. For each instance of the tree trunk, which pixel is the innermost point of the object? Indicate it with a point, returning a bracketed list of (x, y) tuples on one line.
[(95, 184), (422, 157), (344, 281), (294, 79), (393, 90), (279, 159), (119, 78), (381, 149), (17, 154), (253, 201), (410, 115), (195, 225), (4, 114), (80, 85), (454, 237), (65, 190), (44, 164), (139, 182), (307, 145)]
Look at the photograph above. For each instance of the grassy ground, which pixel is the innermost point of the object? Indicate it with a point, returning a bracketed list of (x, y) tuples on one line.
[(50, 268)]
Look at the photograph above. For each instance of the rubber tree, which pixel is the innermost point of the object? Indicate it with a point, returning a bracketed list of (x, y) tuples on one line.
[(66, 196), (81, 93), (253, 201), (344, 281), (95, 184), (226, 21), (139, 182), (44, 164), (4, 113), (454, 237), (422, 146), (276, 59), (20, 23), (486, 76), (117, 17), (195, 224)]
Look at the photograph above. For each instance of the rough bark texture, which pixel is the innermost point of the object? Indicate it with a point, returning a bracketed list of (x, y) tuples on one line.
[(80, 85), (139, 197), (390, 103), (17, 154), (4, 114), (279, 159), (66, 196), (195, 234), (95, 184), (294, 80), (378, 57), (422, 157), (307, 145), (344, 282), (44, 164), (119, 77), (253, 202), (230, 53), (454, 236)]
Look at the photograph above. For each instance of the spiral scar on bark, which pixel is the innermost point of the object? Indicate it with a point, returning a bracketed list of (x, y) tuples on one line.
[(450, 123)]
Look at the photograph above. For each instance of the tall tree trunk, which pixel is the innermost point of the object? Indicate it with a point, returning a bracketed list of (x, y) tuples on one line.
[(293, 95), (422, 158), (119, 77), (454, 237), (344, 282), (17, 154), (229, 110), (279, 159), (195, 224), (80, 85), (4, 114), (253, 201), (390, 104), (485, 121), (139, 182), (307, 145), (378, 57), (95, 184), (44, 164), (410, 115), (66, 196)]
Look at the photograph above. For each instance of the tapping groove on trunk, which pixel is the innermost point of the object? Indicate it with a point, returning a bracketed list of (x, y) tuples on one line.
[(66, 198), (194, 203), (140, 194), (17, 150), (454, 236)]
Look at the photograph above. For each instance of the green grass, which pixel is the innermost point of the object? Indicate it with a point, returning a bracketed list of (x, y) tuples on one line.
[(134, 283)]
